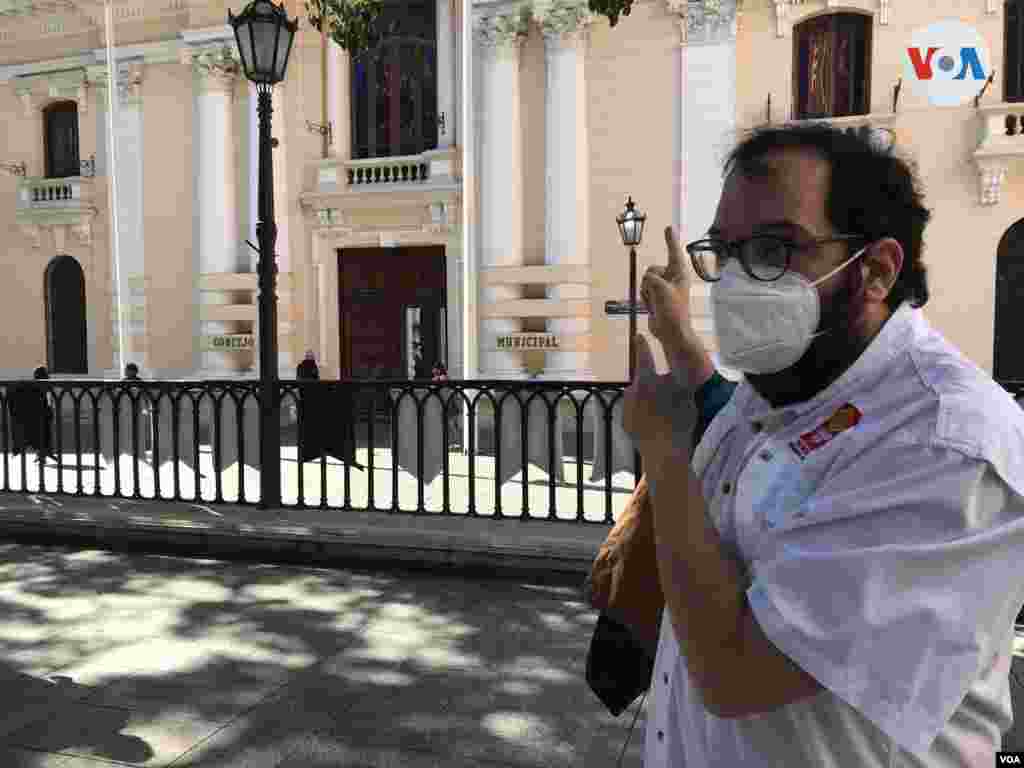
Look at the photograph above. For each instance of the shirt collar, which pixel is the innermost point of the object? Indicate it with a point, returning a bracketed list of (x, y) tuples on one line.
[(896, 335)]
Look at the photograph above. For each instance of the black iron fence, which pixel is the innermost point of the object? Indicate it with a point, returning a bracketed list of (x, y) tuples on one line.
[(538, 450)]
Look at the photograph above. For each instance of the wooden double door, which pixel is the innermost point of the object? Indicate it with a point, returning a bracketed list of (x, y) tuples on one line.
[(393, 316)]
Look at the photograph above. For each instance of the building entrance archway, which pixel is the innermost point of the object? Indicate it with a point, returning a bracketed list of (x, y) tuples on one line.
[(66, 339), (1009, 320)]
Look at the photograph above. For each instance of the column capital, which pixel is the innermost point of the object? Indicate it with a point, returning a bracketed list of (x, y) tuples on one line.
[(129, 81), (217, 65), (562, 20), (504, 29), (706, 22)]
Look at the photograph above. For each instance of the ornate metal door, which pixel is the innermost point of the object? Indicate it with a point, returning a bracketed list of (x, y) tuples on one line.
[(394, 84)]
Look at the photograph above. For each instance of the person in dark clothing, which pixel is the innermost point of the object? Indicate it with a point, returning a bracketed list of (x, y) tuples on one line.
[(307, 370), (32, 417), (335, 438), (131, 372)]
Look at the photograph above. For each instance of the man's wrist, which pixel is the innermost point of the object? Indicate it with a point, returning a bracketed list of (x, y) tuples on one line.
[(665, 455)]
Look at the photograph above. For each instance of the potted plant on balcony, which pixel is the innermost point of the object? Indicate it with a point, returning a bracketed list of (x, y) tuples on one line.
[(350, 23), (611, 9)]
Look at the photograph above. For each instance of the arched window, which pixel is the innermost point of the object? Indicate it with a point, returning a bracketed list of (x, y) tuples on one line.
[(1008, 359), (66, 340), (1013, 79), (60, 122), (832, 66), (394, 84)]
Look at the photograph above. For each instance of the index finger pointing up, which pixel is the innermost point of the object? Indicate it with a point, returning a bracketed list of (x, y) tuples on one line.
[(675, 258)]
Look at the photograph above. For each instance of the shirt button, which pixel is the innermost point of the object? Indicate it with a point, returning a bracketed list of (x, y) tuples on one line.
[(766, 455), (726, 487), (661, 735), (666, 679), (757, 426)]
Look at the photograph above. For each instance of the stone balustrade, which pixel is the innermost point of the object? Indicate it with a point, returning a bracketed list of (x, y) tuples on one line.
[(47, 194)]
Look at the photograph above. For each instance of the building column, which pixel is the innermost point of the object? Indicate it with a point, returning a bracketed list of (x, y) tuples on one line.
[(501, 188), (445, 74), (567, 180), (708, 128), (123, 142), (339, 97), (216, 74)]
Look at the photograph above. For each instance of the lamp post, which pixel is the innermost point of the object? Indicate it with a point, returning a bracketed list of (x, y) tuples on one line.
[(264, 36), (631, 228)]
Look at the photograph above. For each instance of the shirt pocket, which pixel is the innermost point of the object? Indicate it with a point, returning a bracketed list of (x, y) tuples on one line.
[(776, 490)]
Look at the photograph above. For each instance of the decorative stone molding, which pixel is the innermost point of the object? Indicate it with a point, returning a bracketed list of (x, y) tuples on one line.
[(129, 81), (81, 230), (991, 175), (706, 21), (71, 84), (782, 10), (439, 220), (780, 17), (33, 234), (503, 29), (28, 102), (329, 217), (992, 6), (562, 19), (217, 65)]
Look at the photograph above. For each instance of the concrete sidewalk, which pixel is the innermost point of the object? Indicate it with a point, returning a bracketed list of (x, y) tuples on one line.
[(142, 660), (309, 536)]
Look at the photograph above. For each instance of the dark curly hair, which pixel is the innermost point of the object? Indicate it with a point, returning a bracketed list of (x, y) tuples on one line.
[(872, 191)]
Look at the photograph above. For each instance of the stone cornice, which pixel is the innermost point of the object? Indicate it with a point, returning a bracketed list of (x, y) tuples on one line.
[(35, 91)]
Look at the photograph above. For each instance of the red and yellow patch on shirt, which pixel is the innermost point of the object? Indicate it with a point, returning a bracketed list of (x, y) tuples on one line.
[(845, 418)]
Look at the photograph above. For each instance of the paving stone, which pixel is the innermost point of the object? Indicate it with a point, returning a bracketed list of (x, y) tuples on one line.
[(115, 735), (23, 758), (259, 740)]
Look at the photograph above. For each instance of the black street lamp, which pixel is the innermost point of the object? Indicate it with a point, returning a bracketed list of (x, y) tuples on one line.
[(631, 228), (264, 36)]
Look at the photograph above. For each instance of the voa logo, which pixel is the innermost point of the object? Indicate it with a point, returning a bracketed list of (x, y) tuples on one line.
[(1009, 758), (948, 62)]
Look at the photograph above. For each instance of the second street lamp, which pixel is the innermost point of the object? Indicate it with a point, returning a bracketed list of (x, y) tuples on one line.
[(631, 228), (264, 36)]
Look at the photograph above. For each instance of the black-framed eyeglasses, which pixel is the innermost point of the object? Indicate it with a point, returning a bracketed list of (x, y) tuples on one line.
[(763, 257)]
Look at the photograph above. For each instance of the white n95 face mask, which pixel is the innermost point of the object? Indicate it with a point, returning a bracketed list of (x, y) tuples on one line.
[(765, 327)]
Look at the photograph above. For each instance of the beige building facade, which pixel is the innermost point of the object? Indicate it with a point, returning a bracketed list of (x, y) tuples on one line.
[(791, 65), (468, 194), (465, 208), (571, 117), (131, 192)]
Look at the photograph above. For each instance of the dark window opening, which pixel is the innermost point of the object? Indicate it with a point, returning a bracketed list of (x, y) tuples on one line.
[(61, 138), (394, 84), (832, 66), (1013, 85)]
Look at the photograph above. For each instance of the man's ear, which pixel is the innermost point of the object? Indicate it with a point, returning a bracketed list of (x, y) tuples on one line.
[(884, 261)]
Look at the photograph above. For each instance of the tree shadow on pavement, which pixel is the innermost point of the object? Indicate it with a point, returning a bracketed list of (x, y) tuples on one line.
[(154, 660)]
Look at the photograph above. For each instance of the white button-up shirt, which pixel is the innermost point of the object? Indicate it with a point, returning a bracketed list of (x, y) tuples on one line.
[(881, 525)]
